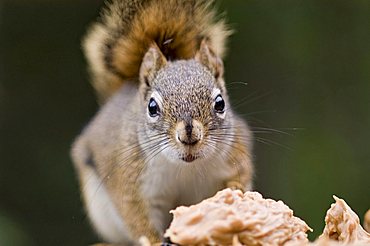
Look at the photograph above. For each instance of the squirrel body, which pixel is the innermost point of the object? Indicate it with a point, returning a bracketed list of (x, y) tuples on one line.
[(165, 135)]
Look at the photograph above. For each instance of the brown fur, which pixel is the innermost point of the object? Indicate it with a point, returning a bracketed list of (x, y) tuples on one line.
[(115, 47), (135, 165)]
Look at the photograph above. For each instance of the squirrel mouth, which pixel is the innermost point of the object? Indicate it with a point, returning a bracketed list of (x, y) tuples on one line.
[(189, 158)]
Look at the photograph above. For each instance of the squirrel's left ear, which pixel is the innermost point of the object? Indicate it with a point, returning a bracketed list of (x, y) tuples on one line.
[(210, 60), (153, 61)]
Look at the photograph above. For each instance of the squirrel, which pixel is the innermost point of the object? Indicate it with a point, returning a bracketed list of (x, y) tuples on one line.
[(165, 134)]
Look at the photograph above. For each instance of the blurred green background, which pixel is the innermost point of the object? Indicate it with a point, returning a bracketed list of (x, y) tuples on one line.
[(307, 69)]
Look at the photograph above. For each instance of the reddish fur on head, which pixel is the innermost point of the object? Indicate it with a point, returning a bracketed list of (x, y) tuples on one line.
[(116, 46)]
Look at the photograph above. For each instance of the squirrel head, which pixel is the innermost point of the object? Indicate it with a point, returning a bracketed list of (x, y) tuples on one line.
[(185, 105)]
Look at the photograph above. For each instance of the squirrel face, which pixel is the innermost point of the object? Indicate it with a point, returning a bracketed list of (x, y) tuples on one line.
[(186, 107)]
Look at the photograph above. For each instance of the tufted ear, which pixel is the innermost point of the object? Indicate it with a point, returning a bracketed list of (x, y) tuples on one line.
[(152, 62), (210, 60)]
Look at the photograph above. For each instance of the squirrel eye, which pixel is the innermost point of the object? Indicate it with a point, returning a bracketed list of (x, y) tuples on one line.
[(153, 108), (219, 104)]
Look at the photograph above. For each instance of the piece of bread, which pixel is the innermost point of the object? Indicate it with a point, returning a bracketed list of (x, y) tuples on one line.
[(231, 217)]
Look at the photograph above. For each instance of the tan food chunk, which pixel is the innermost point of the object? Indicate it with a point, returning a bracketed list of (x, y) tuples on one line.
[(367, 221), (231, 217), (342, 224), (323, 241)]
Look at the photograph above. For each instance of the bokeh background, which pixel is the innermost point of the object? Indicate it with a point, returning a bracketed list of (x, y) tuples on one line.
[(305, 73)]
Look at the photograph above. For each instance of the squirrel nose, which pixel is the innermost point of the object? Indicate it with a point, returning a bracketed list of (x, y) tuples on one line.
[(189, 133), (188, 141)]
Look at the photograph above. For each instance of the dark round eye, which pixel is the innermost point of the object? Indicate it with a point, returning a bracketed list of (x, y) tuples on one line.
[(219, 104), (153, 108)]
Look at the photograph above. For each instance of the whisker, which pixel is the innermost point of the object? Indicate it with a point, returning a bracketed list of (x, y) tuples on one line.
[(237, 83), (250, 99), (272, 130), (213, 144), (257, 112), (129, 155), (271, 142)]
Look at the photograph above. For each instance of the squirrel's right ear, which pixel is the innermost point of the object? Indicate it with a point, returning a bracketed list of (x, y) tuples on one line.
[(153, 61)]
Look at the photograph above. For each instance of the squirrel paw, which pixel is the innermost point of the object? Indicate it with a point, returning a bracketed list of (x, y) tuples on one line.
[(235, 185)]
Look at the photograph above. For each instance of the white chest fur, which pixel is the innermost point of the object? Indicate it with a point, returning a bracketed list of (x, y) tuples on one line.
[(166, 185)]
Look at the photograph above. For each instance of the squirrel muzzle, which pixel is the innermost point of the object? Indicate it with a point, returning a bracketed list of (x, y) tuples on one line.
[(189, 133)]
